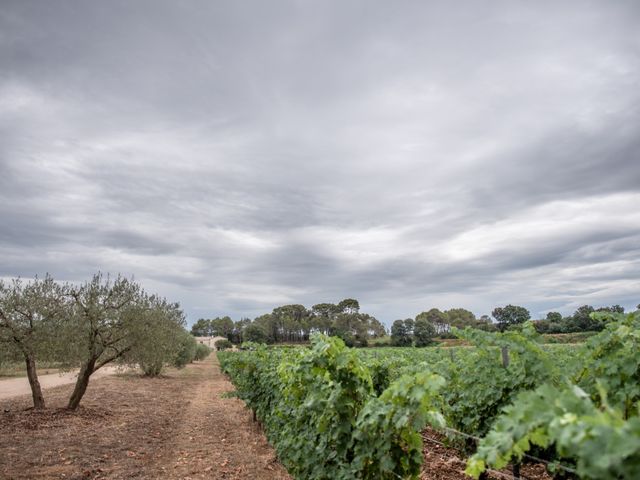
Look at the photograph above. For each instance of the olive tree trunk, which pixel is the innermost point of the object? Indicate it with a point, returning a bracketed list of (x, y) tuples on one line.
[(81, 384), (32, 375)]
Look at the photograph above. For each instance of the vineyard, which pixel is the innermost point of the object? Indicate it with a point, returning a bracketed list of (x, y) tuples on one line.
[(333, 412)]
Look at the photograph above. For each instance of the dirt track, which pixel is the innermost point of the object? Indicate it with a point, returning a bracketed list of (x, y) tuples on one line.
[(174, 427), (14, 387)]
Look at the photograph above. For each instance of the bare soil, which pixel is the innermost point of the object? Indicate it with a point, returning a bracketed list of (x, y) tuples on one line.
[(444, 462), (174, 427)]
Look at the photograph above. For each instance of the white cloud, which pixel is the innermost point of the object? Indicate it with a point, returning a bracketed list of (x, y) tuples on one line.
[(414, 157), (549, 224)]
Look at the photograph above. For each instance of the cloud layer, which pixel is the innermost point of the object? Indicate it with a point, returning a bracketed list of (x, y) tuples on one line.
[(236, 156)]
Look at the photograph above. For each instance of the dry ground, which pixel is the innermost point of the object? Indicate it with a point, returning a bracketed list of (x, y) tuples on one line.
[(443, 462), (174, 427)]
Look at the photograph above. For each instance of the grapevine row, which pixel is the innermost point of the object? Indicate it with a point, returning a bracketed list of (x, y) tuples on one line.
[(335, 412)]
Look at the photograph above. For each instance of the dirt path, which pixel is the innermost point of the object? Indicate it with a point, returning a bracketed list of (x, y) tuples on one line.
[(174, 427), (217, 438), (14, 387)]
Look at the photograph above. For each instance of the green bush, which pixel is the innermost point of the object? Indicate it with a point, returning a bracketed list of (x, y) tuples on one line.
[(202, 352), (223, 344), (250, 346), (187, 350), (159, 334)]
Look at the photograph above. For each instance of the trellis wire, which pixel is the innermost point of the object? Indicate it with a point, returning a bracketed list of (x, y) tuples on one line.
[(490, 470), (526, 455)]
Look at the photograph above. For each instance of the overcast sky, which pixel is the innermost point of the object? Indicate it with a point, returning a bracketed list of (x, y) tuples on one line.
[(236, 156)]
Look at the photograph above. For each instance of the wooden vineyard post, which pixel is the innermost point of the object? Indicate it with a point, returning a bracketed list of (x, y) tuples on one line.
[(505, 364), (516, 470), (505, 357)]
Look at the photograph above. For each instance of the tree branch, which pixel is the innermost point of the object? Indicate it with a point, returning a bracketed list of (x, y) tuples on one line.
[(111, 358)]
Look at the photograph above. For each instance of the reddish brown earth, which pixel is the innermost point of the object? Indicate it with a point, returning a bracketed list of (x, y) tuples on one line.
[(443, 462), (174, 427)]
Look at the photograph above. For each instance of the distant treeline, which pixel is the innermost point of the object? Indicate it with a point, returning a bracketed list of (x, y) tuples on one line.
[(294, 323), (580, 321), (435, 323)]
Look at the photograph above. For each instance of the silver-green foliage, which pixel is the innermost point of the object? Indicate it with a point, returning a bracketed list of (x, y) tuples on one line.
[(202, 352), (156, 335), (30, 317), (186, 349), (223, 344), (88, 326)]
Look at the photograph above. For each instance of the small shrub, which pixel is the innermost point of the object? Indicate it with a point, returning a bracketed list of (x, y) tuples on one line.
[(186, 352), (223, 344), (249, 346), (202, 352), (152, 369)]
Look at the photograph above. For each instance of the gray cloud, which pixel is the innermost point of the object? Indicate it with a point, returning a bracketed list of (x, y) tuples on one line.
[(237, 156)]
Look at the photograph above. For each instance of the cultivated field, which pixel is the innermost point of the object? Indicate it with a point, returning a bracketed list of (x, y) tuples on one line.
[(508, 401)]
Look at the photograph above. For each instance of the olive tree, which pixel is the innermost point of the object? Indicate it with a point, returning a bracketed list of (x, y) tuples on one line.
[(223, 344), (155, 335), (29, 313), (202, 352), (187, 348), (103, 326)]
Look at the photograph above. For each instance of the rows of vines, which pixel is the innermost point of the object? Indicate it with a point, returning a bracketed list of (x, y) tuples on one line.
[(338, 413)]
